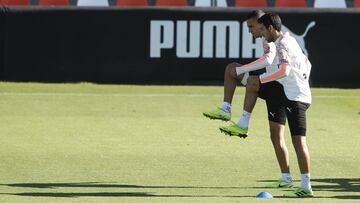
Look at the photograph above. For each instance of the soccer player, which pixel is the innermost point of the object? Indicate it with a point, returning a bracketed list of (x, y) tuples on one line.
[(268, 91), (293, 73), (231, 78)]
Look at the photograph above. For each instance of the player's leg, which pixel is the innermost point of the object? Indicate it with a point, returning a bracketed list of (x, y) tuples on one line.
[(241, 127), (303, 157), (282, 155), (296, 113), (302, 153), (230, 82), (278, 141), (251, 93), (274, 95)]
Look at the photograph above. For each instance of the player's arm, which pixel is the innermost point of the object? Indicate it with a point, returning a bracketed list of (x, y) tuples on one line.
[(283, 70), (260, 63)]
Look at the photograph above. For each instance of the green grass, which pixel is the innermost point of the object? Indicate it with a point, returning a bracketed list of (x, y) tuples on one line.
[(118, 143)]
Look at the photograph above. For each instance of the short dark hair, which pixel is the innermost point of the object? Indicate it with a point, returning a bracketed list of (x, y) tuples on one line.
[(255, 14), (271, 19)]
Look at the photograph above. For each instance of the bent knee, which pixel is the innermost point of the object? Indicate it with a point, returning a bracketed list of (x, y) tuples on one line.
[(233, 65), (253, 84), (231, 69)]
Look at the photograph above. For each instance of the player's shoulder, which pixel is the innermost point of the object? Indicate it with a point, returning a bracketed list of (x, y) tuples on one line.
[(268, 46), (266, 43), (284, 40)]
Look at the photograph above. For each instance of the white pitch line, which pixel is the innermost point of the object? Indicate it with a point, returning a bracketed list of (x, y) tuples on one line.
[(140, 95)]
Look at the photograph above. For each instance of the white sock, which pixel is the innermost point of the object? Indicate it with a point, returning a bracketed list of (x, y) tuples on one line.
[(244, 120), (226, 106), (286, 177), (305, 181)]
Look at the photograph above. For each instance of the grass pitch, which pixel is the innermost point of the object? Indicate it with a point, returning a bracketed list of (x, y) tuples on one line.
[(117, 143)]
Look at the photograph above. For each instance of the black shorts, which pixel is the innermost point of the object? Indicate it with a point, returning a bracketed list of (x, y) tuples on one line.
[(296, 116), (279, 108), (257, 72), (273, 94)]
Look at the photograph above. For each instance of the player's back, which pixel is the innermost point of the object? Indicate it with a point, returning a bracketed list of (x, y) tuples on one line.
[(296, 84), (297, 56)]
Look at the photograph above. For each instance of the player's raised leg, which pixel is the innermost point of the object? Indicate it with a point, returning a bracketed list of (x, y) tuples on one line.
[(241, 127), (230, 82)]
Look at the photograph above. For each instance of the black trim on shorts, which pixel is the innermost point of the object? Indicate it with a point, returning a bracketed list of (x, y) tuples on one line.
[(257, 72)]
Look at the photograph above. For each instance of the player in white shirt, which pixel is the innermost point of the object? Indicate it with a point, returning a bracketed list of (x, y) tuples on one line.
[(267, 91), (293, 73), (294, 69)]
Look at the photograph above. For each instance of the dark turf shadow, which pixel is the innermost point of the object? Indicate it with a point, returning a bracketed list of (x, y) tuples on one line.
[(334, 185), (339, 185), (109, 194), (107, 185)]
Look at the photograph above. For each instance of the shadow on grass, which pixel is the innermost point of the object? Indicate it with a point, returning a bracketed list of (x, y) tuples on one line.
[(109, 194), (339, 185), (335, 185), (107, 185)]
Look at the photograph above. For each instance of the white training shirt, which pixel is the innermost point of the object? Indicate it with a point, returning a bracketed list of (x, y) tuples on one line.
[(270, 48), (268, 60), (293, 70)]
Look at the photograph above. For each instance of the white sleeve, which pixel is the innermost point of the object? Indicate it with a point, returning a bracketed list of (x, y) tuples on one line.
[(283, 71), (284, 68), (262, 62)]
